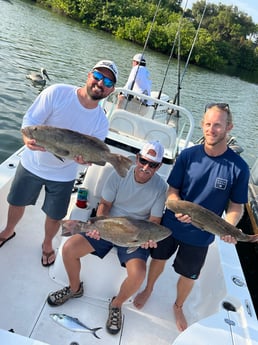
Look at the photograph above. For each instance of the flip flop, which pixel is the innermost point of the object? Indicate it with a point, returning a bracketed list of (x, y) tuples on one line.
[(47, 255), (4, 240)]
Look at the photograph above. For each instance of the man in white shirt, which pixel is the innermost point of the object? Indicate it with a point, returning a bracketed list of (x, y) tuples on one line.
[(64, 106), (139, 79)]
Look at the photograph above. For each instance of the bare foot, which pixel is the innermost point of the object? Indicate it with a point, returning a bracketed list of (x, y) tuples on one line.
[(180, 318), (141, 299)]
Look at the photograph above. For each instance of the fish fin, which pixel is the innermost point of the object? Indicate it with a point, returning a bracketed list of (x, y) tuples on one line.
[(94, 330), (60, 158), (92, 220), (198, 224), (120, 163), (101, 163), (59, 153), (131, 249)]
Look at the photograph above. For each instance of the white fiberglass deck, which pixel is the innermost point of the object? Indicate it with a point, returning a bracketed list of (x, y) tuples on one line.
[(25, 285)]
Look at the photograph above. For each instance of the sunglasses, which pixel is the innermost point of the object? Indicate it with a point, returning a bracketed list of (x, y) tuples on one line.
[(222, 106), (106, 81), (152, 165)]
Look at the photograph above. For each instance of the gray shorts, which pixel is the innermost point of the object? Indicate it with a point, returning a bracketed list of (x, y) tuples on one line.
[(26, 187)]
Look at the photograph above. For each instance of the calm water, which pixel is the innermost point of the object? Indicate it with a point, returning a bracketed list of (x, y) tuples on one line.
[(31, 37)]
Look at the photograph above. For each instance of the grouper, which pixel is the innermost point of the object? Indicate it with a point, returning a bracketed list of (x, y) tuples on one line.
[(65, 143), (122, 231), (207, 220)]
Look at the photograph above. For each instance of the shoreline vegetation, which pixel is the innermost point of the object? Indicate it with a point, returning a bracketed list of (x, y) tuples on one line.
[(227, 40)]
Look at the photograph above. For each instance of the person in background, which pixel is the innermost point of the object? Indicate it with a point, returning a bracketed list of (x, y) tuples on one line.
[(213, 176), (140, 195), (139, 79), (65, 106)]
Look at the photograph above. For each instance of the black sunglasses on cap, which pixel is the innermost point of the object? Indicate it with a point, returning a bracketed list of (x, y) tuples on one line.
[(152, 165), (222, 106)]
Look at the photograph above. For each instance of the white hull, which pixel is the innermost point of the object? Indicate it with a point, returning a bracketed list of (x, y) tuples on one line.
[(25, 285)]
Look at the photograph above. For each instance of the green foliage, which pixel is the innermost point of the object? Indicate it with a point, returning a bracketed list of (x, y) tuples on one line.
[(228, 38)]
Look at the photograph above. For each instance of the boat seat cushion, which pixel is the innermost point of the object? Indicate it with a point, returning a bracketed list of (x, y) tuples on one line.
[(94, 181), (143, 128)]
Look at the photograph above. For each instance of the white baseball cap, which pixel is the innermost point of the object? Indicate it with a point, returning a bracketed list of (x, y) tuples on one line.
[(108, 64), (153, 150), (139, 58)]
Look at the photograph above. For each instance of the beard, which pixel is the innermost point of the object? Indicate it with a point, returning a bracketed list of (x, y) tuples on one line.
[(95, 95), (213, 141)]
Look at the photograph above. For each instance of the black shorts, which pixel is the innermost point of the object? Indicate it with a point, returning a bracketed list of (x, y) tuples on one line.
[(25, 191), (189, 259)]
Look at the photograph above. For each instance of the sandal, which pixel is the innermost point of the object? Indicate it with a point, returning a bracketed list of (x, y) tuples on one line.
[(114, 320), (4, 240), (59, 297), (46, 255)]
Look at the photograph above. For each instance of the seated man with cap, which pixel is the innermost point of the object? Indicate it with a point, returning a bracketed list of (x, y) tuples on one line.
[(140, 195)]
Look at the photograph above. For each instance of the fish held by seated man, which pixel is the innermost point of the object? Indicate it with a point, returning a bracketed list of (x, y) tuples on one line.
[(121, 231), (207, 220), (65, 143)]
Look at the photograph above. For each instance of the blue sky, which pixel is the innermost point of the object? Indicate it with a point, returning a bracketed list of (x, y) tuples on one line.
[(248, 6)]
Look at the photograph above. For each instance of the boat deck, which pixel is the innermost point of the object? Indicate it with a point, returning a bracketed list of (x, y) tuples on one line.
[(218, 310), (26, 284)]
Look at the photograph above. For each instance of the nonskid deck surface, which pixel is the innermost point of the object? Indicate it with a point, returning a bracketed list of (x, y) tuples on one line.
[(25, 284)]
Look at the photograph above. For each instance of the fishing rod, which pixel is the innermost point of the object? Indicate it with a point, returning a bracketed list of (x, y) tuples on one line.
[(172, 50), (169, 59), (146, 41), (180, 81)]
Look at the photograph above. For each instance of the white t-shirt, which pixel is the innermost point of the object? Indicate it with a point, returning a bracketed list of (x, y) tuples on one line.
[(133, 199), (142, 81), (59, 106)]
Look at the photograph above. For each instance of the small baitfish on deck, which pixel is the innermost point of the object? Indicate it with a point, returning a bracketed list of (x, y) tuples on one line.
[(122, 231), (65, 143), (73, 324), (207, 220)]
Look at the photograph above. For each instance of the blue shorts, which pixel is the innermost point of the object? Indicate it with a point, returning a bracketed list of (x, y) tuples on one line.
[(25, 191), (189, 259), (102, 247)]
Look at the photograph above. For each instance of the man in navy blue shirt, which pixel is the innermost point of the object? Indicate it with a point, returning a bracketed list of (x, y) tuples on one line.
[(213, 176)]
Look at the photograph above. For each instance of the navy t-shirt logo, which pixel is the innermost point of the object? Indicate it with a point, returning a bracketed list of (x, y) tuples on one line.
[(220, 183)]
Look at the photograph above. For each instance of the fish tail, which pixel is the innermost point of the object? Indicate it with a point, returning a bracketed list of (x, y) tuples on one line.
[(253, 238), (120, 163), (70, 227), (66, 233), (94, 330)]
